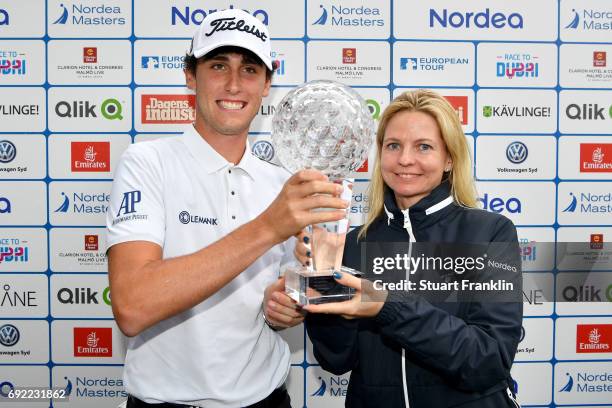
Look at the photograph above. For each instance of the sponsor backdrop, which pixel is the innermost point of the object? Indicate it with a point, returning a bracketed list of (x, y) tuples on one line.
[(80, 80)]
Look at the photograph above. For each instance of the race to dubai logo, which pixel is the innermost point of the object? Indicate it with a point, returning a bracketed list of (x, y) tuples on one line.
[(167, 109), (93, 342), (595, 157), (593, 338), (90, 156)]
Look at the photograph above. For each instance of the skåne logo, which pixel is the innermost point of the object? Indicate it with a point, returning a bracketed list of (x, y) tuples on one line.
[(470, 19), (517, 152), (350, 16), (8, 151)]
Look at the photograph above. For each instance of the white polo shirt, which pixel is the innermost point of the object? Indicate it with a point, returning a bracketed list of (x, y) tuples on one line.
[(182, 195)]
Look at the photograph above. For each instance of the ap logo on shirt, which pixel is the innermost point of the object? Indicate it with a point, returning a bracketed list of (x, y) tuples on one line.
[(128, 204)]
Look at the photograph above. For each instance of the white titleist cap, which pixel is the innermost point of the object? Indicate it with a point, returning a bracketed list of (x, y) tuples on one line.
[(232, 27)]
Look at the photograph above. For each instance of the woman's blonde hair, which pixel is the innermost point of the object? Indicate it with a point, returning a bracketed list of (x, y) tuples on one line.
[(460, 176)]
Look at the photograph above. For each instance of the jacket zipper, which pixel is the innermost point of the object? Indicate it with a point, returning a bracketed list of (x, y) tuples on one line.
[(411, 239)]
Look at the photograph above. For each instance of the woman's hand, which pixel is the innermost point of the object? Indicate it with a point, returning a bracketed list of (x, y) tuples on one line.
[(366, 302)]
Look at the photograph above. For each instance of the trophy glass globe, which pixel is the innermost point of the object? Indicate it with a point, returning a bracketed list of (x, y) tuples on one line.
[(326, 126)]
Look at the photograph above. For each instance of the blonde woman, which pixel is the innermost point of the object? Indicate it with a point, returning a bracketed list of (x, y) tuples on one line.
[(403, 350)]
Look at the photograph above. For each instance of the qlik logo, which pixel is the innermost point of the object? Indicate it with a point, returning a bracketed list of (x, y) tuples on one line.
[(470, 19), (263, 149), (575, 21), (373, 107), (517, 152), (8, 151), (110, 109), (321, 390), (63, 18), (9, 335), (569, 385)]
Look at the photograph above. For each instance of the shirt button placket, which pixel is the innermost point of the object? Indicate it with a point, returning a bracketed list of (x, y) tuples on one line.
[(232, 204)]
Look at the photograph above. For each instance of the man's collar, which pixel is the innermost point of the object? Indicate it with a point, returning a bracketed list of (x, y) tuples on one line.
[(210, 160)]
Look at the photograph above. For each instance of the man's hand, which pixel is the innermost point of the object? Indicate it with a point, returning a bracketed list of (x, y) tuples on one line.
[(279, 309), (292, 209)]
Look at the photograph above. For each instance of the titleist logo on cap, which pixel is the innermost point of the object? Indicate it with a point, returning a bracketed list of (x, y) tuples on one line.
[(223, 24)]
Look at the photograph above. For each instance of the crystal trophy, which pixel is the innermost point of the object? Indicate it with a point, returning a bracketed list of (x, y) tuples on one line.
[(326, 126)]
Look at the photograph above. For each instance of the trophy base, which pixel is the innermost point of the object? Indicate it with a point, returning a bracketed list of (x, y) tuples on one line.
[(308, 287)]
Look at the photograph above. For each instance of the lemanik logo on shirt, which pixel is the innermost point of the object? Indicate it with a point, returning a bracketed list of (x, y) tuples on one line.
[(93, 342)]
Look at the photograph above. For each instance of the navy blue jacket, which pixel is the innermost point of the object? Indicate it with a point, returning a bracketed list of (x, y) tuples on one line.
[(446, 354)]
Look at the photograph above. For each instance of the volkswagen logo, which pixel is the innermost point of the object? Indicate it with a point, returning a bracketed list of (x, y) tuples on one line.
[(9, 335), (8, 151), (263, 149), (516, 152)]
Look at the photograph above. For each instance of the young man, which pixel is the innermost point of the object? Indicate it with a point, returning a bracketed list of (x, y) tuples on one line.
[(196, 235)]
